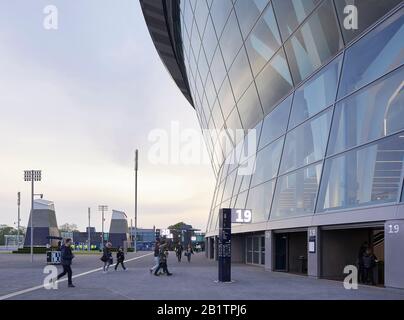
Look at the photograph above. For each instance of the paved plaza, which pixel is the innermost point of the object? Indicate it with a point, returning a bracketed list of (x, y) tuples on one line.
[(19, 279)]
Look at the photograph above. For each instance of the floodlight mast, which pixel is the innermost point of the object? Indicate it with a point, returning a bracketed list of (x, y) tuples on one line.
[(32, 176)]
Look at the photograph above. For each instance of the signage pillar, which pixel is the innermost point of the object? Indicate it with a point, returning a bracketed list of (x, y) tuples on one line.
[(224, 245)]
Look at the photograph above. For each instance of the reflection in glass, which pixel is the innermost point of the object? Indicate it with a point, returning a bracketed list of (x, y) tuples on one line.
[(316, 94), (316, 41), (291, 13), (267, 162), (369, 11), (263, 41), (371, 113), (374, 55), (248, 12), (274, 82), (259, 201), (295, 193), (276, 122), (306, 144), (231, 40), (249, 107), (366, 176), (240, 74)]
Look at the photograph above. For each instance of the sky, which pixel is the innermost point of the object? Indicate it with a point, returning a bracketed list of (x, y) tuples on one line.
[(77, 101)]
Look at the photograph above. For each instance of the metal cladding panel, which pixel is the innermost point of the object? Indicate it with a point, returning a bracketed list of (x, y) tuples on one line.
[(119, 226), (40, 235), (43, 218), (118, 239)]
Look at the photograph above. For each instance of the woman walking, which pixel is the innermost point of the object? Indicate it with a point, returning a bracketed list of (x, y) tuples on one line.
[(107, 257)]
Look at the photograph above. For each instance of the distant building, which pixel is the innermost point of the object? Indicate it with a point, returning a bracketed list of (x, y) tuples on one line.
[(145, 238), (44, 223)]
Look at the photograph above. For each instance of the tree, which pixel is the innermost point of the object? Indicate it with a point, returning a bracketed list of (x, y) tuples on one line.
[(7, 230), (67, 227)]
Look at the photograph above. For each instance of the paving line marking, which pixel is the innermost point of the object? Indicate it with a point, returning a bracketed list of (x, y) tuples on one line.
[(14, 294)]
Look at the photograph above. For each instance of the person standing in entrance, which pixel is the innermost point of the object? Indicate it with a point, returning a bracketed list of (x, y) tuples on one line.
[(189, 252), (66, 261), (369, 263)]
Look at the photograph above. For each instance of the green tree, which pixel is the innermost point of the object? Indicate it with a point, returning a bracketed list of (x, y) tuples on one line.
[(7, 230), (67, 227)]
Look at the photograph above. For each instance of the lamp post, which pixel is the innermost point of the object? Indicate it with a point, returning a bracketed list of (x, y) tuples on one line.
[(136, 169), (18, 219), (32, 176), (103, 208), (88, 231)]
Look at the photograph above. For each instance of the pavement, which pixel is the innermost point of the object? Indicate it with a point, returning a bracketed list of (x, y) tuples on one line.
[(22, 280)]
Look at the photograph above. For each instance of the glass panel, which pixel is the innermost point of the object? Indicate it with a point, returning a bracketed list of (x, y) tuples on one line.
[(267, 163), (295, 193), (259, 201), (317, 94), (209, 40), (276, 122), (218, 69), (231, 40), (241, 199), (233, 122), (371, 113), (228, 192), (263, 41), (306, 144), (291, 13), (201, 15), (220, 11), (314, 43), (369, 11), (249, 244), (371, 57), (248, 12), (365, 176), (240, 74), (249, 107), (274, 82), (226, 98), (256, 244)]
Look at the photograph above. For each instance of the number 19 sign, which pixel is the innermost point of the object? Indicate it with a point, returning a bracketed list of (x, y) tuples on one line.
[(241, 216)]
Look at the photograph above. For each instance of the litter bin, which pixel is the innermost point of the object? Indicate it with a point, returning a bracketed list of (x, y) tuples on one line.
[(303, 264)]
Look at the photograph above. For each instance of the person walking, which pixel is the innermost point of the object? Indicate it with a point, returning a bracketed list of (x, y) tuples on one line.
[(189, 252), (163, 262), (178, 251), (107, 257), (156, 256), (120, 258), (66, 261)]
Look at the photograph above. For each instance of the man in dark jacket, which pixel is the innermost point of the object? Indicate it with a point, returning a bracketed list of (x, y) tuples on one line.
[(66, 261)]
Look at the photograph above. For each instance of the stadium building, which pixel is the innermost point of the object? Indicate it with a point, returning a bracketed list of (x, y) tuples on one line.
[(321, 83)]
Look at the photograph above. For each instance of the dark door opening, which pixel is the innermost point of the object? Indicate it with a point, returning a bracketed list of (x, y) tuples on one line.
[(281, 252), (344, 247), (291, 252)]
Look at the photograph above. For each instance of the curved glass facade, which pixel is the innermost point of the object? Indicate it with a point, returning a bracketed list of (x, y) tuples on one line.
[(326, 102)]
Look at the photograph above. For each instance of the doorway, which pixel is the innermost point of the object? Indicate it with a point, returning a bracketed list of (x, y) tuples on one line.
[(255, 250)]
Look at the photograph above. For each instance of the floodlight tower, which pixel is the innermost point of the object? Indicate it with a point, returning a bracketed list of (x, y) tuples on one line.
[(32, 176)]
